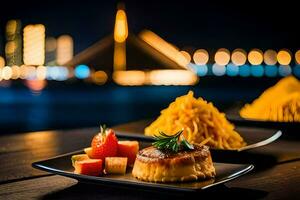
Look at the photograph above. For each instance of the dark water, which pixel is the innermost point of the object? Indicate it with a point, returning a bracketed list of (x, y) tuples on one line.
[(63, 105)]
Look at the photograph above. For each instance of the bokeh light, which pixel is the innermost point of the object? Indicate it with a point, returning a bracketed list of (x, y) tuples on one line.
[(82, 71), (15, 72), (271, 70), (2, 62), (41, 72), (163, 47), (297, 57), (232, 69), (284, 57), (23, 71), (239, 57), (222, 56), (99, 77), (284, 70), (61, 73), (244, 71), (172, 77), (201, 57), (34, 44), (130, 77), (10, 47), (218, 70), (36, 85), (64, 49), (270, 57), (202, 70), (257, 71), (297, 71), (187, 56), (11, 27), (30, 72), (255, 57), (6, 73), (121, 27)]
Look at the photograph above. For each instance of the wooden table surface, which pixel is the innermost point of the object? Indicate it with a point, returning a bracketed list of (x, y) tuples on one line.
[(18, 180)]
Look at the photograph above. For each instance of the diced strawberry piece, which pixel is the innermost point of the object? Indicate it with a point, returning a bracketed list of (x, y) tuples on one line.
[(104, 145), (128, 149), (91, 167)]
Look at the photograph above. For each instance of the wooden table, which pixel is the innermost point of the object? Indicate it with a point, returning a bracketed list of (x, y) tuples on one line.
[(18, 180)]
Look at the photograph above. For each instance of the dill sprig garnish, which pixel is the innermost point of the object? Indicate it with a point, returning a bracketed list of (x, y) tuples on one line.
[(171, 143)]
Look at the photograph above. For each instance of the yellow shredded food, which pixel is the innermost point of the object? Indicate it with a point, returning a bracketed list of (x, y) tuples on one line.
[(278, 103), (201, 121)]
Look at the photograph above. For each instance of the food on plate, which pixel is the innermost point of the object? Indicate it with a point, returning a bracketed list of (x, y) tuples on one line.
[(104, 144), (107, 153), (88, 151), (79, 157), (172, 159), (115, 165), (91, 167), (280, 102), (128, 149), (200, 120)]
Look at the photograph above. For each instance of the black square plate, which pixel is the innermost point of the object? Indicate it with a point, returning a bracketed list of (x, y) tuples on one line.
[(62, 165)]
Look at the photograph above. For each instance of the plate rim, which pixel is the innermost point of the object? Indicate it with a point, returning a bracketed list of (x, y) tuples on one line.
[(148, 185)]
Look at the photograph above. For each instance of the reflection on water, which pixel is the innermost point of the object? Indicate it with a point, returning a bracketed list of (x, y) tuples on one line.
[(61, 106)]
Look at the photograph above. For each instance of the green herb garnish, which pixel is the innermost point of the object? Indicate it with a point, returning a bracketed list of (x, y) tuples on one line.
[(171, 143)]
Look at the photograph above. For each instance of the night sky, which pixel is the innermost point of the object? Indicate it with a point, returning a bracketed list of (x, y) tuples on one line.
[(197, 24)]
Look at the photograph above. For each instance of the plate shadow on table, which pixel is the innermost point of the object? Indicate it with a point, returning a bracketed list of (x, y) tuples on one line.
[(91, 191)]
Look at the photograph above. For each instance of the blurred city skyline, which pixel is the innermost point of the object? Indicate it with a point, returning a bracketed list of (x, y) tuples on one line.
[(198, 24)]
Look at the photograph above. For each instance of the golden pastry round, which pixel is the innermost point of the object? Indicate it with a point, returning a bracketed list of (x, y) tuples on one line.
[(154, 165)]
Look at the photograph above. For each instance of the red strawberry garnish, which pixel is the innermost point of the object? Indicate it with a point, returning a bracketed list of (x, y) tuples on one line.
[(104, 144)]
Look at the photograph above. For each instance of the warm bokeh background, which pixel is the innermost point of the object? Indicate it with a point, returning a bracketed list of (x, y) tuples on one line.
[(189, 25)]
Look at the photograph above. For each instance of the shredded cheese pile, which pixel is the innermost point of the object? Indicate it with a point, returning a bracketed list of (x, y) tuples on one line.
[(278, 103), (200, 120)]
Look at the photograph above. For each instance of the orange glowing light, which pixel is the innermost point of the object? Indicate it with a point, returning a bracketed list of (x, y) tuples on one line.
[(2, 62), (64, 49), (222, 56), (130, 77), (270, 57), (120, 56), (36, 85), (11, 27), (239, 57), (34, 44), (99, 77), (6, 73), (201, 57), (15, 72), (23, 71), (10, 47), (41, 72), (121, 27), (297, 57), (187, 56), (255, 57), (50, 44), (172, 77), (164, 47), (284, 57)]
